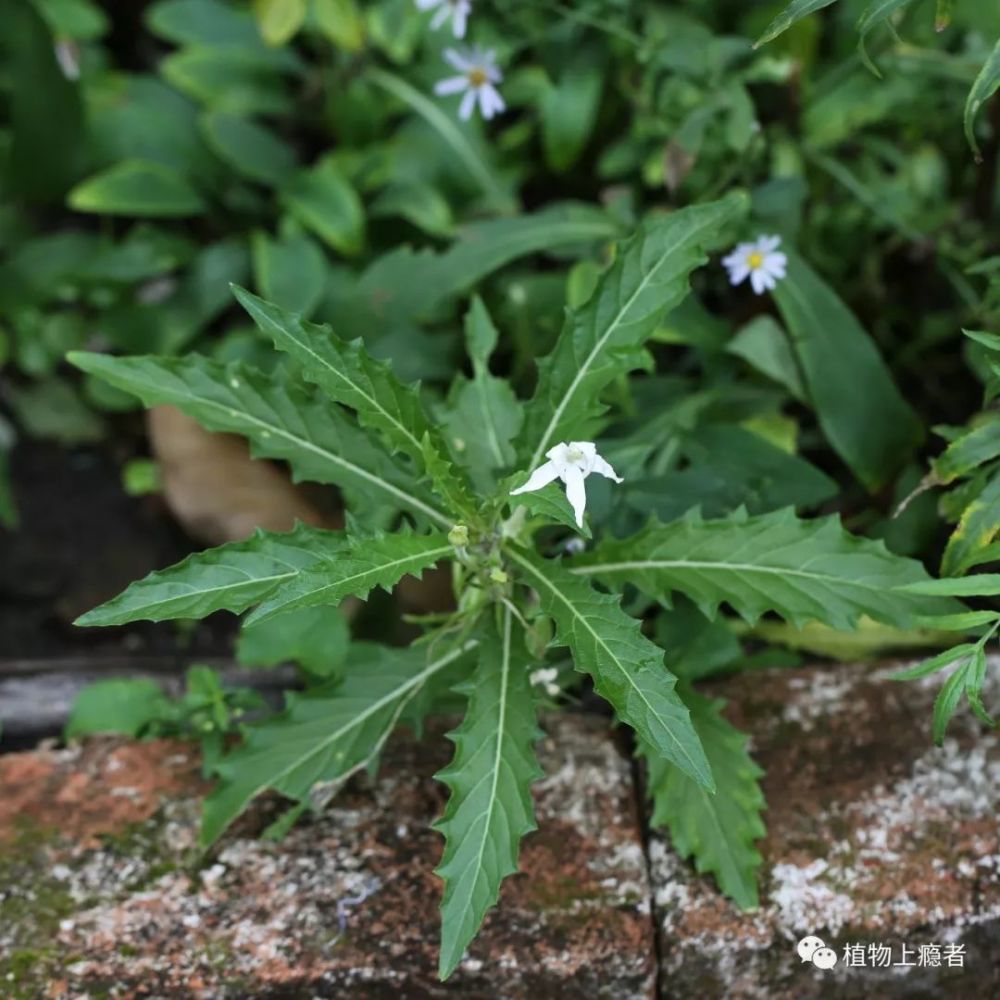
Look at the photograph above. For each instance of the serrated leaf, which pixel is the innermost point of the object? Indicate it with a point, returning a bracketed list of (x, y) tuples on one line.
[(983, 88), (605, 337), (348, 374), (324, 736), (947, 701), (483, 415), (230, 577), (795, 11), (717, 830), (934, 663), (490, 808), (281, 421), (354, 570), (549, 502), (977, 527), (804, 570), (627, 669)]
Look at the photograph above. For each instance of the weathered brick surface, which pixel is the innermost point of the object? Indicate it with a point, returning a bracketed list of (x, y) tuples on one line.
[(102, 894), (875, 836)]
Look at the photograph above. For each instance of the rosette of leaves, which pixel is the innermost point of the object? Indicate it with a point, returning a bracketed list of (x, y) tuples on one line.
[(422, 491)]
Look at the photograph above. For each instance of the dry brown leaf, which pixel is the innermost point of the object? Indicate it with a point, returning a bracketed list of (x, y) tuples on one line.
[(216, 490)]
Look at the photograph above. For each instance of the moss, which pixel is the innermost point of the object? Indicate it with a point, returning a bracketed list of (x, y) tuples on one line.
[(560, 892)]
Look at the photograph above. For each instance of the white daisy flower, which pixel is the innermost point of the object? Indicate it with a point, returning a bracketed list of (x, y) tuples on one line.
[(479, 74), (760, 260), (456, 11), (571, 463)]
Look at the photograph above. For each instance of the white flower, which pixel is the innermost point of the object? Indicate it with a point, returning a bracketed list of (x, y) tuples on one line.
[(479, 73), (761, 260), (456, 11), (571, 463), (546, 679)]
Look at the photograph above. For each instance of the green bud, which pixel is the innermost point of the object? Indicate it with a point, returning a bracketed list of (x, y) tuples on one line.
[(459, 536), (497, 575)]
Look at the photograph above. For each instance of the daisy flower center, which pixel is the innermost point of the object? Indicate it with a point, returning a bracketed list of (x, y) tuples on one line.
[(477, 77), (755, 259)]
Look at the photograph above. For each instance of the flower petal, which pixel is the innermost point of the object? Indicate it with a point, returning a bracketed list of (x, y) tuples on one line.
[(604, 469), (453, 85), (768, 243), (758, 279), (460, 20), (468, 103), (460, 62), (576, 492), (738, 273), (542, 476), (440, 17)]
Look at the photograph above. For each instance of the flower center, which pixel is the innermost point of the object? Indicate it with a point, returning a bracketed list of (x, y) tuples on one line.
[(755, 260), (477, 77), (575, 455)]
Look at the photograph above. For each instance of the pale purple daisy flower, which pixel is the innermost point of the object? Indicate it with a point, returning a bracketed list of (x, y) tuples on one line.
[(760, 260), (478, 79)]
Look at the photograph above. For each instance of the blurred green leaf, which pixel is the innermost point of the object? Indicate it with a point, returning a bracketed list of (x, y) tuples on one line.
[(290, 271), (322, 199), (569, 108), (795, 11), (249, 148), (314, 638), (82, 20), (983, 88), (279, 20), (116, 706), (342, 22), (861, 411), (53, 411), (138, 188)]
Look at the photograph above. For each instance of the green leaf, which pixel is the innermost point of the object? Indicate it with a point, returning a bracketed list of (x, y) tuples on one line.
[(348, 374), (974, 678), (323, 200), (483, 415), (569, 108), (279, 20), (859, 407), (718, 830), (137, 187), (116, 706), (490, 808), (765, 345), (323, 737), (948, 699), (230, 577), (248, 148), (470, 155), (202, 22), (802, 570), (315, 638), (934, 663), (281, 421), (380, 561), (604, 338), (982, 585), (795, 11), (342, 22), (240, 80), (876, 13), (291, 272), (549, 503), (983, 88), (968, 452), (80, 20), (627, 668), (977, 527)]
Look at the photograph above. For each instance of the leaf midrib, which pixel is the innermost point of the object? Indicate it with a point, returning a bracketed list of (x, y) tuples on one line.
[(576, 614)]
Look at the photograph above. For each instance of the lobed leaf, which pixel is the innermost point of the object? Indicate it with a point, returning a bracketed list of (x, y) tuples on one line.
[(803, 570), (227, 578), (490, 808), (281, 420), (719, 830), (324, 736), (348, 374), (353, 570), (627, 668), (605, 337)]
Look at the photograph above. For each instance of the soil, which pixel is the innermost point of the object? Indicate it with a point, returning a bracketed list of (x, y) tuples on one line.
[(81, 540)]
